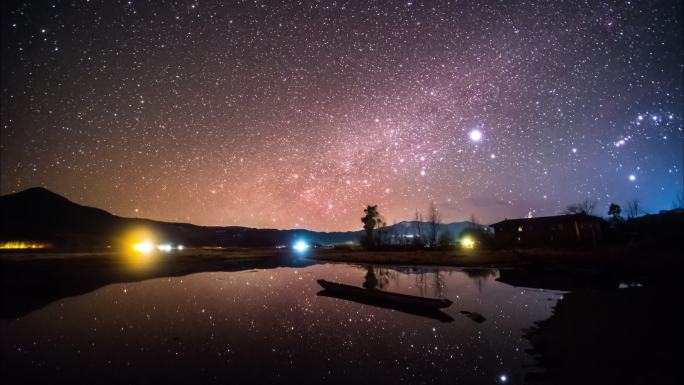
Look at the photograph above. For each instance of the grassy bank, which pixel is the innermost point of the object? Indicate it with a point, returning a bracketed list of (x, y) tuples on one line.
[(610, 258)]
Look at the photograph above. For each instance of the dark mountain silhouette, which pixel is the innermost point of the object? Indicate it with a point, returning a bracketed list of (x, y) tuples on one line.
[(40, 215), (411, 227)]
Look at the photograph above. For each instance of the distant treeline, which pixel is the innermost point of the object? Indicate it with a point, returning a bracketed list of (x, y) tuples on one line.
[(424, 232)]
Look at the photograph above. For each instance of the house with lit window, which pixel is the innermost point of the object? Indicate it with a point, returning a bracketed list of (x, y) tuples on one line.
[(560, 230)]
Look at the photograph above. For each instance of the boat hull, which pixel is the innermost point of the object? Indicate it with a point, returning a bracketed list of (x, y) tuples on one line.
[(386, 298)]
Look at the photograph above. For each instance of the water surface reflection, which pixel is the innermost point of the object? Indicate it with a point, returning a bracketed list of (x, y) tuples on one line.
[(269, 326)]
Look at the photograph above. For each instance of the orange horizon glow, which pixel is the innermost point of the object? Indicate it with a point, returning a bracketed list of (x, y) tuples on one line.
[(18, 245)]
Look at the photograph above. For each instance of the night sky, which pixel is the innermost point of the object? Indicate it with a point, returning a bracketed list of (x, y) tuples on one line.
[(297, 114)]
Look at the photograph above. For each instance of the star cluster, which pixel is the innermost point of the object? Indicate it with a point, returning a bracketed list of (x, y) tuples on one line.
[(297, 114)]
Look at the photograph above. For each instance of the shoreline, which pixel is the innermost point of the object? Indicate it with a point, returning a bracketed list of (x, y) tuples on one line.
[(451, 258), (624, 259), (624, 336)]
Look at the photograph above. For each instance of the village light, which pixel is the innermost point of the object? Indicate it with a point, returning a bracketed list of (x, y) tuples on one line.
[(23, 245), (468, 242), (139, 247), (301, 246), (165, 247), (145, 247)]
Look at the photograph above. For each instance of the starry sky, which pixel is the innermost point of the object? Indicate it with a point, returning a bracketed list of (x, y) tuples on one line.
[(298, 113)]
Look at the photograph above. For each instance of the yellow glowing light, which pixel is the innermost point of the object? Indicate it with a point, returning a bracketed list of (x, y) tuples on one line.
[(144, 247), (139, 248), (468, 243), (13, 245)]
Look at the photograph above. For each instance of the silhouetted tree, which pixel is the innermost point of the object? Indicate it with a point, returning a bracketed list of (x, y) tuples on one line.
[(419, 237), (632, 209), (383, 233), (585, 207), (370, 281), (446, 239), (434, 219), (430, 283), (614, 210), (370, 221), (480, 276)]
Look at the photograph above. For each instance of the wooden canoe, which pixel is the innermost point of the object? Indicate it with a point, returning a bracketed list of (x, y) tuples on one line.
[(390, 299)]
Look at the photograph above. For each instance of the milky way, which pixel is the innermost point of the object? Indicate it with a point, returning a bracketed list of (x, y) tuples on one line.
[(297, 114)]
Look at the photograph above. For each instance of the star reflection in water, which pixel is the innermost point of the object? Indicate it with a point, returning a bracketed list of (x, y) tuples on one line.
[(269, 325)]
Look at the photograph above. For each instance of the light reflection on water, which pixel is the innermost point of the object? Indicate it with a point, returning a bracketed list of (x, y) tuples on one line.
[(269, 326)]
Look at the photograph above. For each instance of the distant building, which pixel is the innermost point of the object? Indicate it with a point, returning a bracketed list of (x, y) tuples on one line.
[(561, 230)]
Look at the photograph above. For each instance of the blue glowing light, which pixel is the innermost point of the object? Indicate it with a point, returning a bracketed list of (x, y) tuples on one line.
[(503, 378), (301, 246)]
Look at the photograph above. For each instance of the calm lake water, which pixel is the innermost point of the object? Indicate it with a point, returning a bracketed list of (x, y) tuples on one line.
[(270, 326)]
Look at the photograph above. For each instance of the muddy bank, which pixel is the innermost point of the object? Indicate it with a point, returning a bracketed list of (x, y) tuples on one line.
[(613, 336)]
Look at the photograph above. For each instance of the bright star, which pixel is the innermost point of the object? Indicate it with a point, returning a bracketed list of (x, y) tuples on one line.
[(503, 378), (475, 135), (632, 177)]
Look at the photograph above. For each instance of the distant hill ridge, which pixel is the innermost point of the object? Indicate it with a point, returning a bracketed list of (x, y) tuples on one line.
[(38, 214)]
